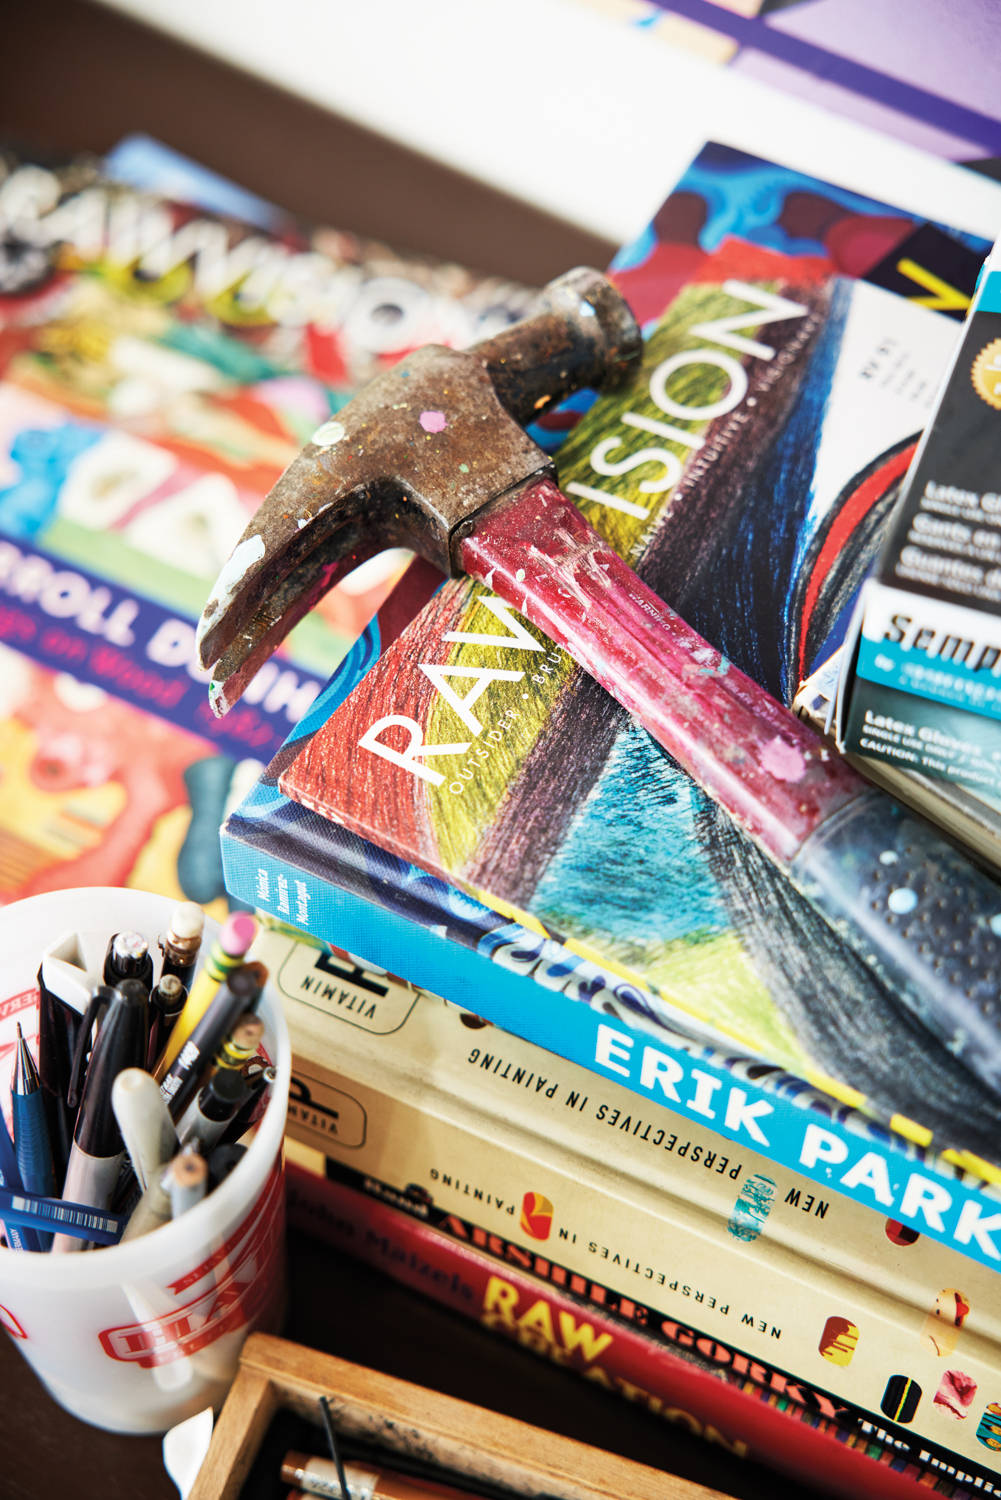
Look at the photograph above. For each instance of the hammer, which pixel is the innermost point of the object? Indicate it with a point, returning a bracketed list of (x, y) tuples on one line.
[(432, 455)]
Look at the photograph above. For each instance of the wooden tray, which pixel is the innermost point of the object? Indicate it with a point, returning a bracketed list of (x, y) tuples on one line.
[(473, 1443)]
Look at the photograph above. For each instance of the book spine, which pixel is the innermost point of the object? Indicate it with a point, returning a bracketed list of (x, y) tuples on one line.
[(722, 1260), (748, 1419), (747, 1102)]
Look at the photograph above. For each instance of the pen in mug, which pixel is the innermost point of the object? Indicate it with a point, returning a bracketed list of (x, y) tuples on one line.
[(222, 1161), (212, 1109), (128, 957), (145, 1123), (181, 942), (239, 994), (226, 954), (87, 1033), (41, 1216), (98, 1148), (258, 1077), (165, 1005), (19, 1237)]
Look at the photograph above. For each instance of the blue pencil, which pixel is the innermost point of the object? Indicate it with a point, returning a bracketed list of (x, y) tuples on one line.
[(78, 1219)]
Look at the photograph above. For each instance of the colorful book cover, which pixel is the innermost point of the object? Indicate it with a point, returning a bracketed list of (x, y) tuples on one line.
[(699, 1383), (745, 473), (160, 364)]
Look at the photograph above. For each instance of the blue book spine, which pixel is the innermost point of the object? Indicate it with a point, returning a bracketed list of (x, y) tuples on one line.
[(511, 979)]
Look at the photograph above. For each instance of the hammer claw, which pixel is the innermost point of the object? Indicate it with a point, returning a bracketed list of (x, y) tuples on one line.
[(278, 614), (411, 462)]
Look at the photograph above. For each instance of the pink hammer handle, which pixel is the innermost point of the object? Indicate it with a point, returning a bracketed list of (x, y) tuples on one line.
[(772, 774)]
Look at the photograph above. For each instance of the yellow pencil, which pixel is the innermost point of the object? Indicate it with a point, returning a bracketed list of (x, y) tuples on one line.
[(227, 952)]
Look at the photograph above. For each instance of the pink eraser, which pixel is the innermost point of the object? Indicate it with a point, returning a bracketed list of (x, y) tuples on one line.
[(238, 932)]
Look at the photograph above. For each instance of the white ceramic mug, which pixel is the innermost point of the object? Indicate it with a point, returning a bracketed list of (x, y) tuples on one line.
[(137, 1337)]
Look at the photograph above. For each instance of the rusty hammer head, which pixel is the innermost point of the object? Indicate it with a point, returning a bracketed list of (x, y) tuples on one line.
[(410, 462)]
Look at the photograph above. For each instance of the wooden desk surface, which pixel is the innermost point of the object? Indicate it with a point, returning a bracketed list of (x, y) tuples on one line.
[(347, 1309)]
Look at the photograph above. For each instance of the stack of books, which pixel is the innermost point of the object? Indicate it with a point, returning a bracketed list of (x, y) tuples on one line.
[(663, 1127)]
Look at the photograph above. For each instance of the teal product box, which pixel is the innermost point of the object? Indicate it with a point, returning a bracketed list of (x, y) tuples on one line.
[(921, 683)]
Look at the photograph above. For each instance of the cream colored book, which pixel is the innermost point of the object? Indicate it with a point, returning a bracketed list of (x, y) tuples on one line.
[(572, 1176)]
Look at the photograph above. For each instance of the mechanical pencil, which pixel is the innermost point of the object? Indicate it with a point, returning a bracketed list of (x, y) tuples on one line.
[(227, 952), (19, 1237), (31, 1131)]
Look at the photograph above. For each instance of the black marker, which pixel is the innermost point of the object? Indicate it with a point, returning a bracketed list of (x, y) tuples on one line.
[(128, 957), (63, 993), (98, 1148), (258, 1076), (239, 994), (222, 1161), (207, 1116)]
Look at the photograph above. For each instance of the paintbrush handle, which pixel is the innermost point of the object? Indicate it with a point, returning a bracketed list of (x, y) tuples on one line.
[(799, 800), (771, 772)]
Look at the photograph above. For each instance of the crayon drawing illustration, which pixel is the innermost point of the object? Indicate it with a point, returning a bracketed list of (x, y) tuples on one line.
[(943, 1325), (900, 1399), (955, 1394), (901, 1234), (838, 1341), (989, 1427)]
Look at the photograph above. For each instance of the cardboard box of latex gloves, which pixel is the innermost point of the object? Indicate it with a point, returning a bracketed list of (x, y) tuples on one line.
[(922, 686)]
